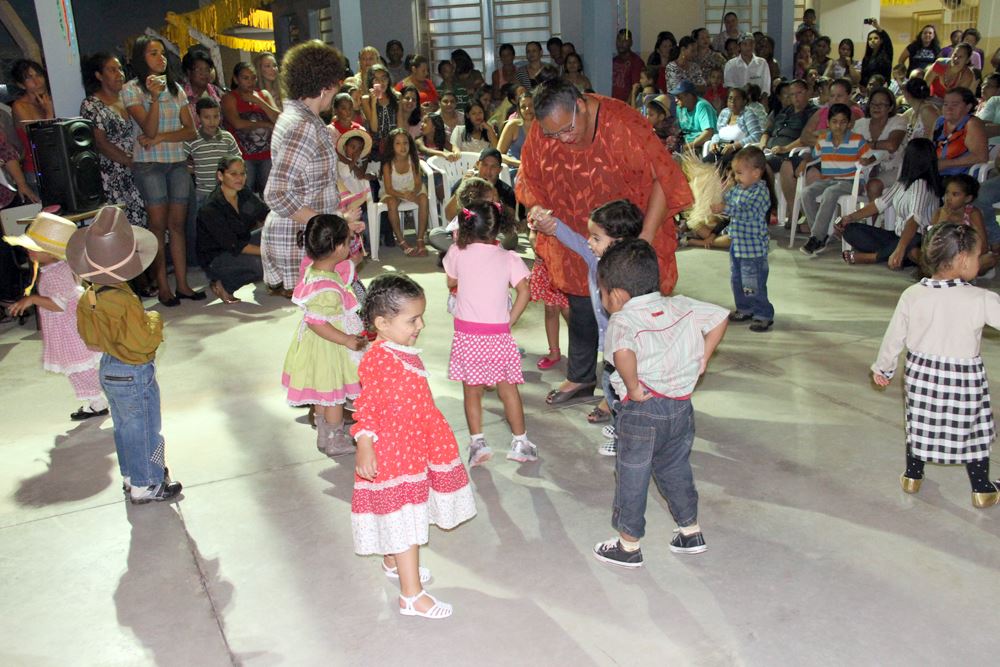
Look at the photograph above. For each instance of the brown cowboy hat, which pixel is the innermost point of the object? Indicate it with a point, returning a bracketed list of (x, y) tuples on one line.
[(110, 250)]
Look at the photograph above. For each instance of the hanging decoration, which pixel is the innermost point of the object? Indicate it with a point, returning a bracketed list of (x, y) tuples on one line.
[(212, 19), (898, 2)]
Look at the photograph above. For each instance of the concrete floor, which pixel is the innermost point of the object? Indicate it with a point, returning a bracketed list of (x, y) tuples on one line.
[(815, 555)]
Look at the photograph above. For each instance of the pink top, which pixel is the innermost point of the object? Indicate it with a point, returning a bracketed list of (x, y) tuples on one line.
[(63, 351), (485, 272)]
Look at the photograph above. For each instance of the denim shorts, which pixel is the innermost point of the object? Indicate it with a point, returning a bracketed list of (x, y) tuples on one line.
[(162, 183)]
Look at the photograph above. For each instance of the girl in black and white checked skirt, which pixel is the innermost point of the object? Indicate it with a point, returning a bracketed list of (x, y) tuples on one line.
[(940, 322)]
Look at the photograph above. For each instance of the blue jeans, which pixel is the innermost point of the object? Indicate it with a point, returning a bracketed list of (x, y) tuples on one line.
[(162, 183), (654, 439), (134, 399), (257, 174), (614, 403), (989, 194), (748, 276)]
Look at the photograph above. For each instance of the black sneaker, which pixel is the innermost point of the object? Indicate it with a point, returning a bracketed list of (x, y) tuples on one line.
[(613, 553), (165, 490), (737, 316), (823, 246), (688, 544), (810, 246), (761, 325)]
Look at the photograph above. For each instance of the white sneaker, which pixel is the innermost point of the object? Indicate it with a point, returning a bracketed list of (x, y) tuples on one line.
[(479, 452), (522, 451), (608, 431), (609, 448)]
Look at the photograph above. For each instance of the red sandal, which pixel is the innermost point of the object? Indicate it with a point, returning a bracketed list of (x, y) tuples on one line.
[(545, 363)]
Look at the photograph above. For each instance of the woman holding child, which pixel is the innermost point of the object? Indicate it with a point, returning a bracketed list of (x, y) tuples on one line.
[(573, 133)]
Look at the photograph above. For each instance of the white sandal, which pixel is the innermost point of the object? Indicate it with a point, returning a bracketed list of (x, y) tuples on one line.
[(393, 573), (438, 611)]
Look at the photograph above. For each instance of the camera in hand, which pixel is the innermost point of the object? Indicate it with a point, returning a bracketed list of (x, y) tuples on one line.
[(869, 21)]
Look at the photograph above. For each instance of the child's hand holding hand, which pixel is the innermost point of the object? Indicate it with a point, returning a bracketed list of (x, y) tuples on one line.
[(356, 342), (365, 464), (880, 379), (23, 304), (541, 219)]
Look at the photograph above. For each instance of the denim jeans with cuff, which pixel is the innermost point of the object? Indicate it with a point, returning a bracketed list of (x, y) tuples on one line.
[(134, 399), (748, 276), (654, 440), (614, 403)]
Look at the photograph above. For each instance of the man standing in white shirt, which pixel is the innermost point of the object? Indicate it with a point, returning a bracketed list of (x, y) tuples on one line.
[(747, 68)]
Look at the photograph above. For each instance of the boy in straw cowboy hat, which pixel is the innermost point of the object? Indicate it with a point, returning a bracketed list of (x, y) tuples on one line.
[(110, 318), (58, 292)]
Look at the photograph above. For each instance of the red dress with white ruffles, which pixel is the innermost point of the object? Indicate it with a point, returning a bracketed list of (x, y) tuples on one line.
[(421, 479)]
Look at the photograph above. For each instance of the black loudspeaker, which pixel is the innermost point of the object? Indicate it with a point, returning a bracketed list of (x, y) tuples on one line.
[(69, 170)]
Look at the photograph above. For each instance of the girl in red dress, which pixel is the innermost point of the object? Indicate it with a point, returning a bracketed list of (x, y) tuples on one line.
[(408, 472)]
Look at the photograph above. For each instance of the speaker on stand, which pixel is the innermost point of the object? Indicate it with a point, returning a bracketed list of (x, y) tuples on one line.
[(69, 169)]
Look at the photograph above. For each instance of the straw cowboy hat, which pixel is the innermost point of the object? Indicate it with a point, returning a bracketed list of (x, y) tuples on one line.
[(110, 250), (46, 233), (350, 134)]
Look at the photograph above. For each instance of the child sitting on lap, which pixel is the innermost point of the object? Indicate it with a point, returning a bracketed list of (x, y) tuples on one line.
[(660, 346)]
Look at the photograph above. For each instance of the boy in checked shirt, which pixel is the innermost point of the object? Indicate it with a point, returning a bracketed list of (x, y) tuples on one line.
[(660, 346)]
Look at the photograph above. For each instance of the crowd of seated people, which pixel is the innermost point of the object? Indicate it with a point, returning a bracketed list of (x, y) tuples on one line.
[(711, 93)]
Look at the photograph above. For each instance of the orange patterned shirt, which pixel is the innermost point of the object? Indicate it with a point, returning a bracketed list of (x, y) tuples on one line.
[(622, 162)]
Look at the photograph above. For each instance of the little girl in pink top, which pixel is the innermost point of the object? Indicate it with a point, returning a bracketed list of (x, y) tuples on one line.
[(482, 351)]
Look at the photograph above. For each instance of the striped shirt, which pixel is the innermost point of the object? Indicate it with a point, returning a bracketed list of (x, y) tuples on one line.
[(749, 210), (838, 161), (170, 121), (206, 152), (667, 335), (915, 201)]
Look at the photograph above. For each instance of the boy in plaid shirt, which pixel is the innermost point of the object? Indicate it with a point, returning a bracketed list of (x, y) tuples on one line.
[(660, 346), (748, 205)]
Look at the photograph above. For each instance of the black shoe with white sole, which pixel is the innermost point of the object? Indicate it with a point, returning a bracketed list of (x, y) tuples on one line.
[(165, 490), (688, 544), (87, 413), (612, 552)]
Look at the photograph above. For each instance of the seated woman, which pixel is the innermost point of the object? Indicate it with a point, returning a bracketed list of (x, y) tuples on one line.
[(736, 127), (949, 73), (476, 134), (229, 225), (959, 136), (884, 131), (914, 200), (515, 132)]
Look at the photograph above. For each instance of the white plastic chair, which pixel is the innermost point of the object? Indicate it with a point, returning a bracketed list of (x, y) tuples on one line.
[(453, 171), (780, 193), (376, 209)]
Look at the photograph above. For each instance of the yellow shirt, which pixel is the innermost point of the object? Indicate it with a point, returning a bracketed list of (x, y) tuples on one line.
[(110, 318)]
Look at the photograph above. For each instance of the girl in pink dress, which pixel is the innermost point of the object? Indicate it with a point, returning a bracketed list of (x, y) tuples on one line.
[(482, 351), (408, 473), (63, 351)]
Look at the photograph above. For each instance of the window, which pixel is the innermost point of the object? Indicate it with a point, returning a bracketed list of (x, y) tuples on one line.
[(752, 13), (480, 27)]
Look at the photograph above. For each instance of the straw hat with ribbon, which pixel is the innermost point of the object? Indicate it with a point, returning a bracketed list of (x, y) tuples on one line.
[(47, 233), (110, 250), (350, 134)]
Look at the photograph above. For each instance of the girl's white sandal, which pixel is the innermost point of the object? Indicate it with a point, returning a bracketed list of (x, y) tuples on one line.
[(438, 611), (393, 573)]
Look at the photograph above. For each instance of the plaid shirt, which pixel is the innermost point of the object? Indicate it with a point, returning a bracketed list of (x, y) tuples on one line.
[(303, 164), (748, 210), (170, 121)]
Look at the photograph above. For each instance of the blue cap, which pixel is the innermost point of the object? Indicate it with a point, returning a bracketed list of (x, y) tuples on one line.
[(684, 87)]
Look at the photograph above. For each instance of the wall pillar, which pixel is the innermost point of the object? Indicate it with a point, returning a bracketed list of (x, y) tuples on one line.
[(780, 20), (62, 55)]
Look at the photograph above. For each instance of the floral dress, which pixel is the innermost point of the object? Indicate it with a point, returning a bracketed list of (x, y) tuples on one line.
[(119, 186), (318, 371), (421, 479)]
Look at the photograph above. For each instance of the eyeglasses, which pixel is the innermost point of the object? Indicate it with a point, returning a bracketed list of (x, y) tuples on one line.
[(563, 132)]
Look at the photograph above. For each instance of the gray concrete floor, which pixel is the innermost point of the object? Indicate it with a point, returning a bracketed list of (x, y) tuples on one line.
[(815, 555)]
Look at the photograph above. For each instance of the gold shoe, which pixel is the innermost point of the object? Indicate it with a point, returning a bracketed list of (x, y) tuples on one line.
[(911, 485), (983, 500)]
